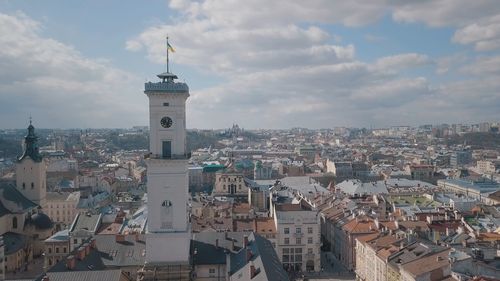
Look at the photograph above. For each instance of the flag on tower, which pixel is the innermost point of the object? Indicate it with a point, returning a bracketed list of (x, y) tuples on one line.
[(170, 48)]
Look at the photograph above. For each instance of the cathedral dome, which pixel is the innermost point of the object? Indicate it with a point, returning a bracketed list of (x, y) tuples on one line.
[(41, 221)]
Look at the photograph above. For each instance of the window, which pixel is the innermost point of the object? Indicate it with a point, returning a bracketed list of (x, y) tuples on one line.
[(310, 230), (298, 230), (50, 250), (32, 185), (14, 222), (64, 250), (239, 179), (298, 241), (287, 241), (287, 230), (75, 241), (57, 250), (166, 104), (309, 240), (24, 185), (211, 270), (309, 250)]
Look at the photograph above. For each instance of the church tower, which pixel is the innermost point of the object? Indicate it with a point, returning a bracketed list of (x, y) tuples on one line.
[(31, 177), (168, 228)]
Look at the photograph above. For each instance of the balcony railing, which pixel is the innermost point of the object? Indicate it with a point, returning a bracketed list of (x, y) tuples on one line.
[(174, 87), (173, 156)]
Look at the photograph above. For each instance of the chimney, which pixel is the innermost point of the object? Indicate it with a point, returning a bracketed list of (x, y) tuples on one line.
[(119, 238), (81, 253), (70, 262), (93, 243), (438, 258), (245, 241), (233, 247), (249, 254), (87, 248), (217, 243), (253, 271)]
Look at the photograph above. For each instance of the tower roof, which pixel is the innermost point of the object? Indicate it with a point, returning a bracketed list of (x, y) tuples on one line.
[(167, 76), (31, 145)]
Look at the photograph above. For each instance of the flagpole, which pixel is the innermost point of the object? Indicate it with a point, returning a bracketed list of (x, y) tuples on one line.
[(167, 57)]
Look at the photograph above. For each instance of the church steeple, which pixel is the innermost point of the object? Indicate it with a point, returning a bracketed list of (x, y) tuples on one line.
[(31, 145)]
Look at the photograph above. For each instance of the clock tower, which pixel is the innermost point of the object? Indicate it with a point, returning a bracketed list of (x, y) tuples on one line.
[(168, 228)]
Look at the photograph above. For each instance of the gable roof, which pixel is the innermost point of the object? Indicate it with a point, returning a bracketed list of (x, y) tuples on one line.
[(13, 201)]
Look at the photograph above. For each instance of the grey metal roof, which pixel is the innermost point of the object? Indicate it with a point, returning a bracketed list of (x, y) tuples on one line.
[(204, 253), (13, 201), (62, 235), (264, 258), (109, 254), (86, 222), (99, 275), (13, 242)]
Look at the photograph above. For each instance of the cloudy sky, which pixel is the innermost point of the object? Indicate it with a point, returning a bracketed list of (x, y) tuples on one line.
[(258, 63)]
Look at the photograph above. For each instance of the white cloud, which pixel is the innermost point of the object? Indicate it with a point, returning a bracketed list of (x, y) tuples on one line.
[(58, 85), (483, 66), (282, 68), (402, 61), (484, 34)]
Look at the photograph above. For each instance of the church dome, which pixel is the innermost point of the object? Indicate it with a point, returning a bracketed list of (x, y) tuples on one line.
[(41, 221)]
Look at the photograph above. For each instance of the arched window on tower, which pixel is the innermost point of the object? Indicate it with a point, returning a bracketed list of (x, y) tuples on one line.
[(14, 222), (24, 185)]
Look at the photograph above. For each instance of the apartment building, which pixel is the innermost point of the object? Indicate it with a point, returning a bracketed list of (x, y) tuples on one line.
[(297, 237)]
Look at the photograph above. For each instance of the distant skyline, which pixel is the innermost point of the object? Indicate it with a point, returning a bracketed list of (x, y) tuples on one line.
[(260, 64)]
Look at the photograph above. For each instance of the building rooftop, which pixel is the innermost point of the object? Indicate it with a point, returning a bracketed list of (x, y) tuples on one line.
[(60, 236), (13, 201), (108, 275), (86, 222)]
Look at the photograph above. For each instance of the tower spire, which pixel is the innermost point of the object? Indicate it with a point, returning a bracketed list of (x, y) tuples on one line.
[(31, 145)]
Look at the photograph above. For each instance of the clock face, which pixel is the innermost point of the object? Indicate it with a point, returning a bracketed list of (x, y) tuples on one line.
[(166, 122)]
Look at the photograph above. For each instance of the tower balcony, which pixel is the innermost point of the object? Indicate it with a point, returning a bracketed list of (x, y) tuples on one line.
[(167, 86), (185, 156)]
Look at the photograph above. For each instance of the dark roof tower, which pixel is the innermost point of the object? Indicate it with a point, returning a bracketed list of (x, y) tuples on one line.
[(31, 145)]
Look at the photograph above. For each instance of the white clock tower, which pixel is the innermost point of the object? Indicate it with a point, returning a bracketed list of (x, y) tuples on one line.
[(168, 228)]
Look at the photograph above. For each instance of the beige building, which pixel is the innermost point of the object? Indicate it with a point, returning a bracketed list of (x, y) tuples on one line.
[(56, 248), (230, 183), (488, 166), (297, 237), (62, 206), (22, 224)]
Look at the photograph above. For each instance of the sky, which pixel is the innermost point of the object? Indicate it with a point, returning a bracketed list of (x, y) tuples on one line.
[(260, 64)]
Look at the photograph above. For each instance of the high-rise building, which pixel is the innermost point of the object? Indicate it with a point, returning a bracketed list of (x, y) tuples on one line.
[(168, 229)]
